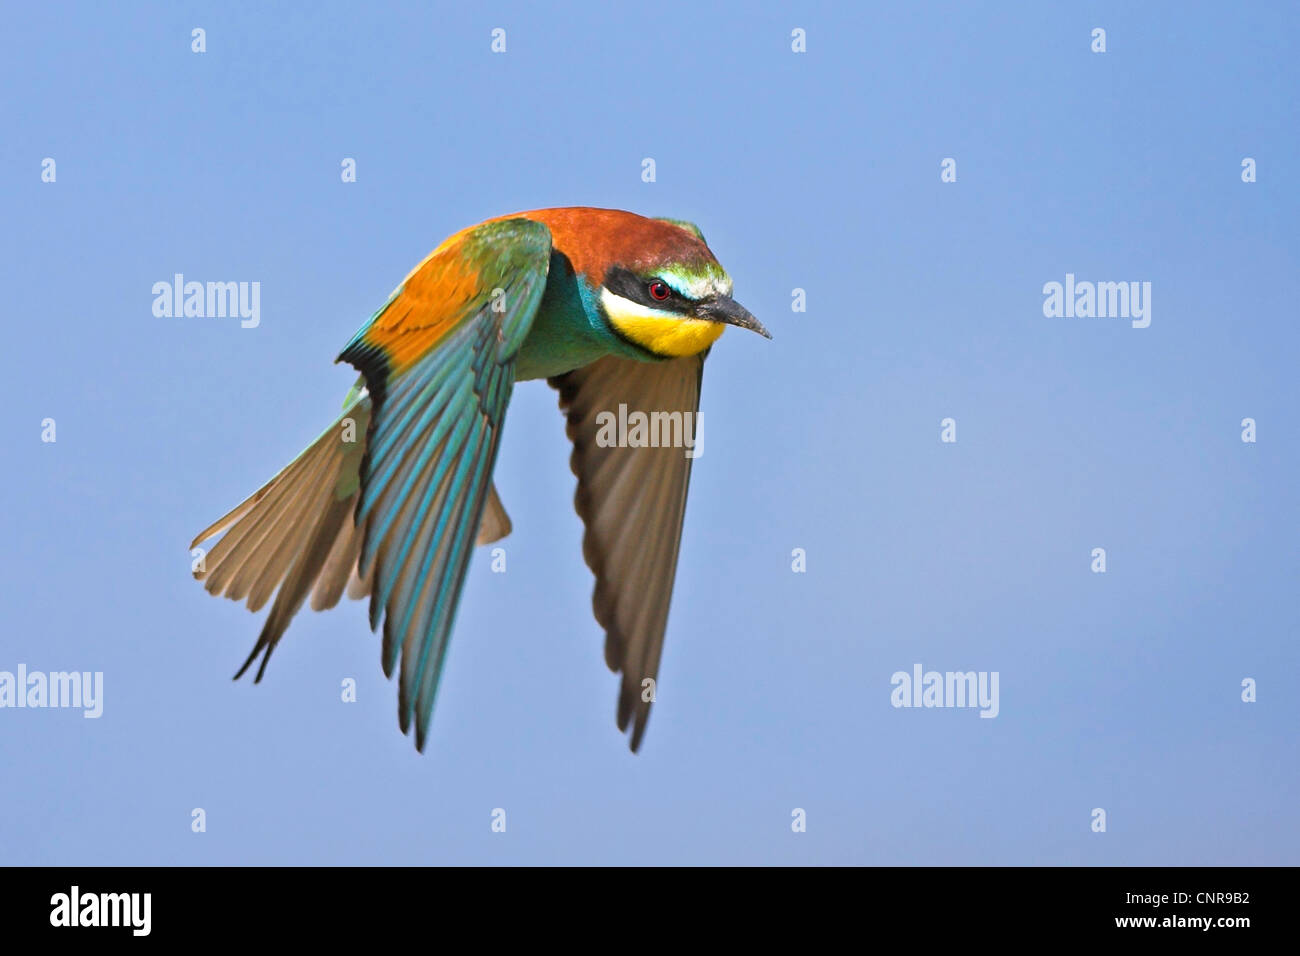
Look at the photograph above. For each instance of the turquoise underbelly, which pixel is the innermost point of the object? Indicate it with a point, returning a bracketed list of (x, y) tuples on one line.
[(568, 331)]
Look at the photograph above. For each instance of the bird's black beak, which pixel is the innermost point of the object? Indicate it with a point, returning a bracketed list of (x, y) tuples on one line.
[(724, 308)]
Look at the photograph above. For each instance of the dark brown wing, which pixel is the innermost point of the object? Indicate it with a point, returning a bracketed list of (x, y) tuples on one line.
[(632, 501)]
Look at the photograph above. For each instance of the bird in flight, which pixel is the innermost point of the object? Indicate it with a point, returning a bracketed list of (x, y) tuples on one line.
[(611, 308)]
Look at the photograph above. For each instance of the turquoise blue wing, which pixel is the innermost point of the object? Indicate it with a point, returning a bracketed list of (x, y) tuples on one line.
[(438, 360)]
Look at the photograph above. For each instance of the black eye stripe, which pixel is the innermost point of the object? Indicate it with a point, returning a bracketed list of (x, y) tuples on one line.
[(636, 288)]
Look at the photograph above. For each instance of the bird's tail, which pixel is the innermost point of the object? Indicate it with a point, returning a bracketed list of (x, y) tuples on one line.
[(296, 535)]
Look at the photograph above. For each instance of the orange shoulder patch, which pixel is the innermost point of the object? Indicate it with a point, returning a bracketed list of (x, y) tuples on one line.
[(431, 301)]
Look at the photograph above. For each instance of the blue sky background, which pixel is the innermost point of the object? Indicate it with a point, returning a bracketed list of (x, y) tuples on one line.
[(818, 171)]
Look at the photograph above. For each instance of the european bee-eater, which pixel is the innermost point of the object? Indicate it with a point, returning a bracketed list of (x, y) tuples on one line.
[(610, 308)]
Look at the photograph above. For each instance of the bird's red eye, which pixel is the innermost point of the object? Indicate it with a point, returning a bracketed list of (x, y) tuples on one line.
[(659, 290)]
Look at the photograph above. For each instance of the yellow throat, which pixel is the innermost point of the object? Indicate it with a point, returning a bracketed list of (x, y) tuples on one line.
[(664, 333)]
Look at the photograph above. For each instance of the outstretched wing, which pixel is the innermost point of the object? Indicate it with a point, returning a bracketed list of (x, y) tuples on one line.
[(632, 501), (438, 360)]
